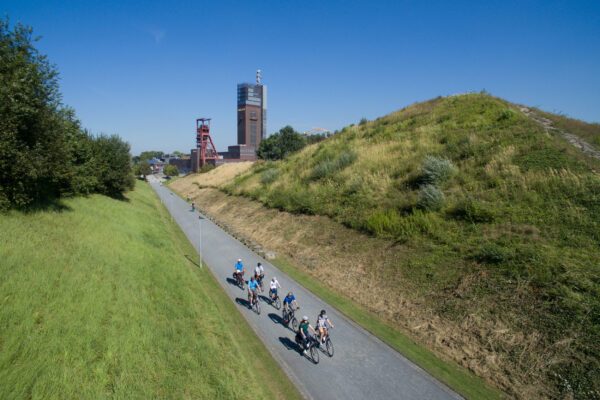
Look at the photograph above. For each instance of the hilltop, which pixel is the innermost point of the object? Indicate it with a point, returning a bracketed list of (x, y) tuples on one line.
[(475, 214)]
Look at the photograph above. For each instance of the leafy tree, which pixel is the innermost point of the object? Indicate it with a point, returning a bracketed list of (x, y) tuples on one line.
[(142, 168), (32, 143), (44, 152), (281, 144), (112, 165), (149, 155), (170, 170), (177, 153)]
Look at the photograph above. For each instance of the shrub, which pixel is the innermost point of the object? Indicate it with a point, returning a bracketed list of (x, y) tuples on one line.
[(363, 121), (430, 198), (473, 211), (492, 253), (437, 170), (171, 170), (269, 176), (329, 166), (206, 167)]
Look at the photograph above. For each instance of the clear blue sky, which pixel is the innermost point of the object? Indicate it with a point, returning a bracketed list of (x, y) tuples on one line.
[(146, 70)]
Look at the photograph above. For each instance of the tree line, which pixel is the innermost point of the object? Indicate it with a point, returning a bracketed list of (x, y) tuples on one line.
[(44, 151)]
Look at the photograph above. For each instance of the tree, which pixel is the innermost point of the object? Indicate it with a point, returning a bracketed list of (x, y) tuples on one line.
[(32, 143), (149, 155), (281, 144), (44, 152), (171, 170), (112, 163), (142, 168)]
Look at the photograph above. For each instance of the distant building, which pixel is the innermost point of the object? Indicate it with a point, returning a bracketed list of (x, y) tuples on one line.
[(251, 113)]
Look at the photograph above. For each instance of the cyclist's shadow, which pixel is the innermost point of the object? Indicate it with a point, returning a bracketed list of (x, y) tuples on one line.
[(290, 344), (276, 318), (242, 302), (231, 281)]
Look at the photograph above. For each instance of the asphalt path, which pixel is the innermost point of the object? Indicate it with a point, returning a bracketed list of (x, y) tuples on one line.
[(362, 367)]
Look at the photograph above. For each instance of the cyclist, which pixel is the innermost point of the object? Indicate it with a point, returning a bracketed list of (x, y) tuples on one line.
[(289, 302), (273, 288), (252, 287), (239, 269), (259, 274), (322, 322), (303, 334)]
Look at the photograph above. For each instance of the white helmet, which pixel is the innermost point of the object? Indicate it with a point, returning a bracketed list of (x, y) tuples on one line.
[(239, 260), (273, 279), (305, 318)]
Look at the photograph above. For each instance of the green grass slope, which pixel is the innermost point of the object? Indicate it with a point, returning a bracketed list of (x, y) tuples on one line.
[(99, 300), (494, 217)]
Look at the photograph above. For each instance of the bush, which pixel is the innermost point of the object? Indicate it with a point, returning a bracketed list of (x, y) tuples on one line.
[(329, 166), (363, 121), (269, 176), (492, 253), (437, 170), (206, 167), (473, 211), (171, 170), (430, 198)]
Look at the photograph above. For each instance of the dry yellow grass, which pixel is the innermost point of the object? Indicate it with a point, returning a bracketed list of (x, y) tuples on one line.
[(189, 186)]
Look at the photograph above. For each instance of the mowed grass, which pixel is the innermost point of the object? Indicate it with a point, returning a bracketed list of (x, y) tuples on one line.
[(104, 299)]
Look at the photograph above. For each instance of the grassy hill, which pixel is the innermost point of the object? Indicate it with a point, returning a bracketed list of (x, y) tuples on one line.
[(102, 298), (491, 217)]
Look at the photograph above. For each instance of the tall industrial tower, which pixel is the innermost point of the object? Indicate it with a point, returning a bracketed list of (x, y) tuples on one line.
[(252, 112)]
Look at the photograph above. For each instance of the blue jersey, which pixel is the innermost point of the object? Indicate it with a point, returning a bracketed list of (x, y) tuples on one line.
[(239, 266), (252, 285), (288, 299)]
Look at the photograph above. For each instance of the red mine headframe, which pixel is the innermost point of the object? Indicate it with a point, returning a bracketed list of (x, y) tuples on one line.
[(204, 143)]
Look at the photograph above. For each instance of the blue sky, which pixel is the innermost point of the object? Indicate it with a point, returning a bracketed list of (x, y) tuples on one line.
[(146, 70)]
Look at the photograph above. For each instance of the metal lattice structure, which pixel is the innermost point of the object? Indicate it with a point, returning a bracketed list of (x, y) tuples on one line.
[(207, 152)]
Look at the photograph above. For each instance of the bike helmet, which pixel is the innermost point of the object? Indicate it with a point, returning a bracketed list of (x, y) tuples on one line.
[(305, 318), (273, 279), (323, 312), (239, 260)]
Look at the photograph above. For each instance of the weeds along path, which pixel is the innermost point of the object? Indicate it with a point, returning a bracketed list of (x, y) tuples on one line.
[(575, 140), (362, 366)]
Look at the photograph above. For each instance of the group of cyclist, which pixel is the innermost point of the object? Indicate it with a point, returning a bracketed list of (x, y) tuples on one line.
[(290, 304)]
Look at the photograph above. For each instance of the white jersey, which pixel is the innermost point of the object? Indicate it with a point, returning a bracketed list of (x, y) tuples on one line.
[(322, 321), (274, 284), (259, 270)]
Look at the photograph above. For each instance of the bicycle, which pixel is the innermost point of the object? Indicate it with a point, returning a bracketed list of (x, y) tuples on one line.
[(275, 301), (239, 279), (328, 343), (255, 304), (289, 317), (311, 345)]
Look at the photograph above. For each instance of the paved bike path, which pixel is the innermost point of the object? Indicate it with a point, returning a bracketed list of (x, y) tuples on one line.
[(362, 367)]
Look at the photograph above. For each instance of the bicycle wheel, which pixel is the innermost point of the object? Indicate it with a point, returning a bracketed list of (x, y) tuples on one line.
[(314, 353), (277, 303), (294, 324), (329, 347)]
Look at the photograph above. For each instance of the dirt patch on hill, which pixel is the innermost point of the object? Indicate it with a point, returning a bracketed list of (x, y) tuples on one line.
[(362, 268)]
